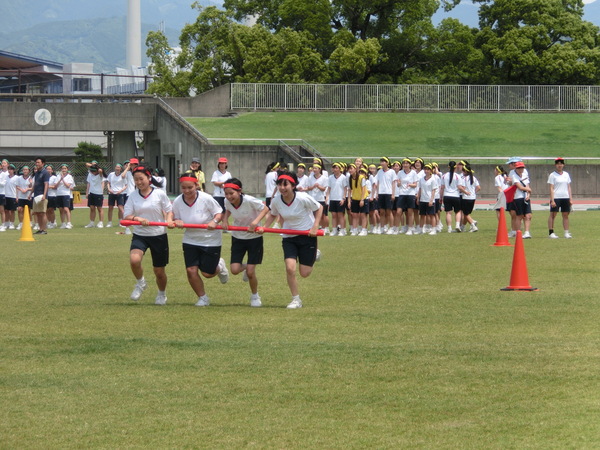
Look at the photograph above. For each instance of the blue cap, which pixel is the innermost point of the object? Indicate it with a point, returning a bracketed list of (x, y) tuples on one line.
[(513, 159)]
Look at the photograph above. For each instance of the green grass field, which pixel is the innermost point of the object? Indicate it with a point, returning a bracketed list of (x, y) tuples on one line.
[(467, 135), (403, 342)]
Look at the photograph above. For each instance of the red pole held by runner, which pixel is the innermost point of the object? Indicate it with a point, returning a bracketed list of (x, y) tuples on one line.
[(127, 223)]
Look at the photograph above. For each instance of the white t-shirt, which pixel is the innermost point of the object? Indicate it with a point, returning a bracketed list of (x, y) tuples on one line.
[(10, 190), (500, 182), (317, 193), (298, 215), (153, 207), (51, 182), (404, 179), (426, 188), (219, 177), (561, 184), (270, 183), (116, 182), (130, 183), (96, 183), (163, 183), (374, 187), (524, 181), (470, 187), (201, 211), (23, 183), (302, 182), (63, 190), (451, 185), (385, 180), (3, 180), (249, 209), (337, 187)]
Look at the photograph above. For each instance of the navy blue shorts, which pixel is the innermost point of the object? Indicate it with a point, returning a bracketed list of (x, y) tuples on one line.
[(22, 202), (11, 204), (385, 201), (325, 208), (63, 201), (52, 202), (466, 206), (335, 207), (95, 200), (373, 205), (158, 245), (220, 201), (116, 199), (452, 204), (206, 259), (522, 207), (356, 208), (2, 200), (425, 209), (562, 205), (253, 247), (511, 206), (301, 248), (406, 202)]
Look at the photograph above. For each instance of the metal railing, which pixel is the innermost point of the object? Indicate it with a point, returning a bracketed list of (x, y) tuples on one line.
[(389, 97)]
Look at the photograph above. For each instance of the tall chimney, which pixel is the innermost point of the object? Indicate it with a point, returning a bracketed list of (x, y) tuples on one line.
[(134, 35)]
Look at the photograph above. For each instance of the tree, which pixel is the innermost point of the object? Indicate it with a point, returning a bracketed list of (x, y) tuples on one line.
[(87, 151), (353, 63), (168, 79)]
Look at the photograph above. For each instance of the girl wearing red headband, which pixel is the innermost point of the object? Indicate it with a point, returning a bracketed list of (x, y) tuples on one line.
[(299, 212), (201, 247), (219, 177), (246, 211), (148, 204)]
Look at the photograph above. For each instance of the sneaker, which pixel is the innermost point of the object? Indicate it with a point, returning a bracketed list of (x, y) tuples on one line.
[(526, 235), (325, 231), (140, 286), (568, 235), (11, 226), (51, 225), (69, 226), (63, 226), (2, 228), (19, 226), (203, 301), (161, 299), (100, 225), (318, 256), (512, 234), (223, 273), (255, 301), (450, 230), (245, 278), (409, 232), (553, 236), (403, 230), (473, 228), (36, 227), (390, 231), (127, 230), (342, 232), (41, 232), (90, 225), (433, 232), (109, 225), (334, 232), (363, 232), (295, 303), (353, 232)]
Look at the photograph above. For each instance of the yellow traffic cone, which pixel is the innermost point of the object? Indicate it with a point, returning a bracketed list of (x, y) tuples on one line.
[(26, 233)]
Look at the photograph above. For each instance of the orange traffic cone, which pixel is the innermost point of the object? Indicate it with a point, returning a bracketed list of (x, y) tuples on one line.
[(502, 233), (26, 233), (519, 280)]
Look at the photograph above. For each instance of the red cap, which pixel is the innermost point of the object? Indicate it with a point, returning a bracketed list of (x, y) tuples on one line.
[(223, 160), (134, 161), (559, 159), (519, 164)]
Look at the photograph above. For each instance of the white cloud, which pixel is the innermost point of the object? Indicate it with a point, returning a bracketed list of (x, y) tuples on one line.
[(588, 1)]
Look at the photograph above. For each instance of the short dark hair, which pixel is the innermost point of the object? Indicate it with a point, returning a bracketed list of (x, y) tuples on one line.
[(41, 159)]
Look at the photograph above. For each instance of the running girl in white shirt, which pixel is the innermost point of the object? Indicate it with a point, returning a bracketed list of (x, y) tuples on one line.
[(560, 197), (500, 183), (246, 211), (201, 247), (337, 192), (451, 195), (148, 204), (300, 212), (64, 187)]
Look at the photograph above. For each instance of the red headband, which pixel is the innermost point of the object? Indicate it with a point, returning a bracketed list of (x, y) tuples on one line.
[(232, 186), (286, 177), (142, 169), (190, 179)]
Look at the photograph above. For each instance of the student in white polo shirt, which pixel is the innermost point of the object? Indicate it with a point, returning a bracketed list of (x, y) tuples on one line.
[(299, 212), (148, 204), (201, 247), (559, 182), (246, 211)]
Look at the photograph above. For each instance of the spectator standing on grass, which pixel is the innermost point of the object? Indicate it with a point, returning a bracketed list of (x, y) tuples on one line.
[(559, 182), (159, 176), (451, 196), (40, 195), (302, 177), (522, 198), (318, 191), (10, 194), (24, 188), (468, 187), (246, 211), (218, 180), (64, 191), (299, 212), (148, 204), (426, 201), (271, 181), (3, 182), (500, 183), (510, 206), (375, 226), (407, 184), (196, 171), (116, 186), (94, 193), (51, 211), (201, 247), (337, 192), (386, 180)]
